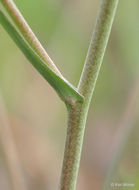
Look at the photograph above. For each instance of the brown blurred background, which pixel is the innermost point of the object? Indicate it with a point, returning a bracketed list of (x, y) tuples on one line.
[(38, 117)]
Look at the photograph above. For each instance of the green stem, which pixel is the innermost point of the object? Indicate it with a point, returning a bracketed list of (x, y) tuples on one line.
[(78, 111), (28, 34), (65, 90)]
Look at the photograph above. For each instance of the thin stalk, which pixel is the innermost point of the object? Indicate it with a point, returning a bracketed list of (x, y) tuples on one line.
[(10, 153), (65, 90), (77, 112), (28, 34)]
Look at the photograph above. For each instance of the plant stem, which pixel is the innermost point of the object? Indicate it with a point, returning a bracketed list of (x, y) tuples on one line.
[(10, 152), (65, 90), (28, 33), (77, 112)]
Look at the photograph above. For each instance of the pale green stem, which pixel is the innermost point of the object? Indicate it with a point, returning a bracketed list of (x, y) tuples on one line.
[(66, 91), (78, 111), (10, 152), (28, 34)]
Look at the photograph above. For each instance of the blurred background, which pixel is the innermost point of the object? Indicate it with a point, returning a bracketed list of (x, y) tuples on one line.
[(36, 115)]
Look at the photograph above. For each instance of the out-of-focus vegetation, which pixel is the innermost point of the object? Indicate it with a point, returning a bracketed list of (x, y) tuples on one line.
[(36, 114)]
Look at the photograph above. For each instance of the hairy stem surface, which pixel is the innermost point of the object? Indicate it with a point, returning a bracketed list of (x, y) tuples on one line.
[(66, 91), (28, 33), (78, 111)]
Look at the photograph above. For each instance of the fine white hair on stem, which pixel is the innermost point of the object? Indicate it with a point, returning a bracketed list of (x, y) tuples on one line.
[(28, 34)]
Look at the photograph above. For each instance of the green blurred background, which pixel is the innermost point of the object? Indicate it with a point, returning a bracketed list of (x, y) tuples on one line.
[(37, 115)]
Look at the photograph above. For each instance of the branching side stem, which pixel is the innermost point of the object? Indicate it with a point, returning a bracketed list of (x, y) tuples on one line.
[(28, 34), (65, 90), (78, 111)]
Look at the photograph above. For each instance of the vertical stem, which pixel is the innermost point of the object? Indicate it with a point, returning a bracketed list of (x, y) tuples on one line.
[(10, 152), (72, 148), (28, 33), (78, 111)]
